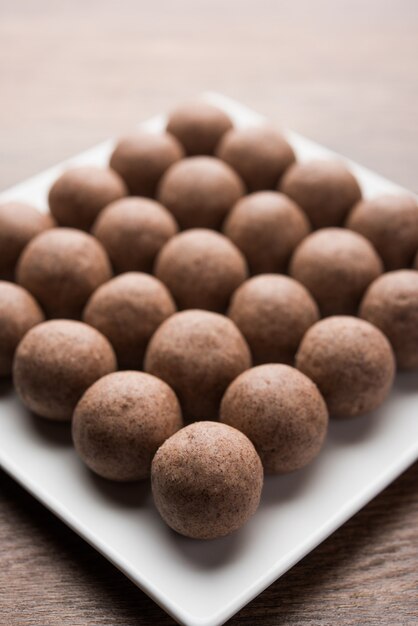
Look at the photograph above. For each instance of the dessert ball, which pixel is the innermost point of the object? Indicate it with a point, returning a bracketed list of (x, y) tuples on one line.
[(61, 268), (336, 265), (416, 262), (128, 310), (202, 269), (266, 226), (390, 223), (19, 312), (200, 191), (198, 126), (19, 223), (281, 411), (325, 190), (142, 158), (121, 421), (198, 354), (79, 194), (273, 313), (350, 361), (260, 155), (206, 480), (133, 231), (56, 362), (391, 304)]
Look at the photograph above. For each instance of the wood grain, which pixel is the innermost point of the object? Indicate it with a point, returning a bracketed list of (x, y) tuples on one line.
[(342, 72)]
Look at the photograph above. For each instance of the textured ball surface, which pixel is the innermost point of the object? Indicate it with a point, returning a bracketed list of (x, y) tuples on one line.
[(336, 265), (61, 268), (142, 158), (198, 354), (121, 421), (206, 480), (198, 126), (202, 269), (260, 155), (133, 231), (390, 223), (200, 191), (79, 194), (19, 312), (273, 313), (19, 223), (128, 310), (325, 190), (350, 361), (281, 411), (56, 362), (266, 226), (391, 304)]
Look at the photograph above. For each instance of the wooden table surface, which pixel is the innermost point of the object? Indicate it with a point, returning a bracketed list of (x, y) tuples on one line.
[(343, 72)]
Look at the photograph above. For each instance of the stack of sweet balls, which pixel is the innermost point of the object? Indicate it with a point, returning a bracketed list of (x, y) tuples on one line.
[(201, 306)]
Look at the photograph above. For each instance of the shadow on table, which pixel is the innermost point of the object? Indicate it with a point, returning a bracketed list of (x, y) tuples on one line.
[(128, 495), (284, 488), (406, 382), (352, 430), (6, 387), (57, 433), (209, 554)]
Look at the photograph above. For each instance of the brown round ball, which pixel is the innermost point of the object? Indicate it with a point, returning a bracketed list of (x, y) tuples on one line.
[(198, 354), (142, 158), (61, 268), (79, 194), (128, 310), (281, 411), (325, 190), (206, 480), (266, 226), (19, 312), (198, 126), (336, 265), (200, 191), (121, 421), (273, 313), (202, 269), (260, 155), (19, 223), (133, 231), (390, 223), (56, 362), (391, 304), (416, 262), (352, 363)]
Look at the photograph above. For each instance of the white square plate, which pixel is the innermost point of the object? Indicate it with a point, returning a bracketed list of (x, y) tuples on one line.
[(198, 583)]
